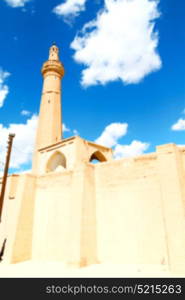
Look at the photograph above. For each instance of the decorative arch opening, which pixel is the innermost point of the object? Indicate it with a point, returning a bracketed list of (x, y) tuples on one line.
[(97, 157), (56, 162)]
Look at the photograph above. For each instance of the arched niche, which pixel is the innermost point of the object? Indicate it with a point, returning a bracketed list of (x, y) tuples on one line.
[(56, 161), (96, 157)]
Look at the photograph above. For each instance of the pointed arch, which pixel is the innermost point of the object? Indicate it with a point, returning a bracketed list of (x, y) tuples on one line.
[(57, 159), (98, 156)]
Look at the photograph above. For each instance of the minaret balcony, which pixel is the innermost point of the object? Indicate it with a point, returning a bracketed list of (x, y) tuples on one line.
[(53, 66)]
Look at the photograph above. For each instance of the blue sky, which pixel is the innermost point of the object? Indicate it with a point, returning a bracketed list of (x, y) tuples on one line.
[(125, 74)]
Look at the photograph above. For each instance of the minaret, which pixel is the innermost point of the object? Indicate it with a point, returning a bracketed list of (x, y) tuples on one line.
[(49, 130)]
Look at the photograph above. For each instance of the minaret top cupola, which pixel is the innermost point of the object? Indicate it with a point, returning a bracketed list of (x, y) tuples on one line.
[(54, 53), (53, 64)]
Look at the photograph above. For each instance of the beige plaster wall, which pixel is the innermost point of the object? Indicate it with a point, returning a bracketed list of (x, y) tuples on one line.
[(128, 211), (52, 216), (67, 149), (76, 151), (65, 221), (17, 222), (130, 225), (9, 207), (84, 150), (88, 238), (171, 176)]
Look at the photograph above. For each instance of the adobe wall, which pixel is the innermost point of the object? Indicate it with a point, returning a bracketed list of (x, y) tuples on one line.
[(128, 211), (9, 207), (17, 218), (67, 148), (64, 220), (140, 209), (52, 216), (130, 225), (76, 151), (171, 177), (182, 155)]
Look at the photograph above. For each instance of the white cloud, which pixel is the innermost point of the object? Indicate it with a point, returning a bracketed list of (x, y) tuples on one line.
[(75, 132), (111, 134), (179, 125), (65, 128), (22, 171), (70, 8), (134, 149), (4, 90), (16, 3), (25, 113), (3, 93), (23, 142), (120, 44)]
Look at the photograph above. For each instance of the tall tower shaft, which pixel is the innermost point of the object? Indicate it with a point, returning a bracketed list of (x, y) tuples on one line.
[(49, 129)]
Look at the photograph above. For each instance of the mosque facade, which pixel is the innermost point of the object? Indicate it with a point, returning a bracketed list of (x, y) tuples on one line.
[(128, 211)]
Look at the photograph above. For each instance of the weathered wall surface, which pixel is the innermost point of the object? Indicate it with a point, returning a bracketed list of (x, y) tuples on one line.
[(130, 225), (52, 216), (128, 211), (64, 221), (9, 216), (22, 243), (17, 221), (88, 241), (140, 209), (67, 148), (171, 177), (76, 151)]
